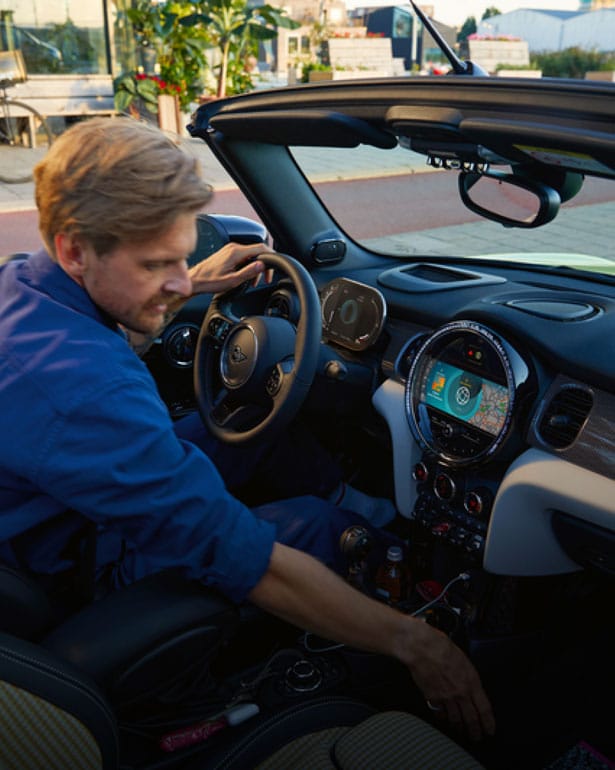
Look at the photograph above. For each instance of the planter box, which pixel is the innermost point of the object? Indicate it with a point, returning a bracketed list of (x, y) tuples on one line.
[(520, 73), (490, 53), (168, 113), (609, 77), (317, 76)]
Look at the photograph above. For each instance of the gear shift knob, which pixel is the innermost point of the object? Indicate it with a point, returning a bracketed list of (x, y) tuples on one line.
[(355, 543)]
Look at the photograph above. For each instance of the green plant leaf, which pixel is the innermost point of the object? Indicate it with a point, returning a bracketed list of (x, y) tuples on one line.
[(192, 19), (260, 32), (125, 83), (122, 99)]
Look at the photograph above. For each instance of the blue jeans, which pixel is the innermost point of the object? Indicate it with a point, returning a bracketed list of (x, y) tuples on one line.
[(295, 475)]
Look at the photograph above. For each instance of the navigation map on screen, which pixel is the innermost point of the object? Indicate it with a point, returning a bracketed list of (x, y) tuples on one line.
[(466, 396)]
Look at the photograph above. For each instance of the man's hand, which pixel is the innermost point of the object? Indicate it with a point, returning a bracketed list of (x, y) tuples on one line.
[(449, 682), (300, 589), (231, 266)]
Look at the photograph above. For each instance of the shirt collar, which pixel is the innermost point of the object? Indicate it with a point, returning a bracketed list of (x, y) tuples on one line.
[(47, 276)]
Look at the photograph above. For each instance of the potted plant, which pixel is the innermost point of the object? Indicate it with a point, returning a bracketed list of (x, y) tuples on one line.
[(172, 42)]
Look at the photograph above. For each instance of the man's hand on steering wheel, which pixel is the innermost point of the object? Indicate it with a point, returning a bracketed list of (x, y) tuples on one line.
[(229, 267)]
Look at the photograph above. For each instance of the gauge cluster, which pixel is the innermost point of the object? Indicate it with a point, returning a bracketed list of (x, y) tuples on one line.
[(353, 314)]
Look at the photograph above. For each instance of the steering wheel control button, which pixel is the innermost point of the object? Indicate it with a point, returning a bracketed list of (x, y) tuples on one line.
[(218, 328), (238, 357), (274, 382)]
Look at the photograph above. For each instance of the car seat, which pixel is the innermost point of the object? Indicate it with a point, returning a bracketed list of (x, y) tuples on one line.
[(55, 717), (138, 643)]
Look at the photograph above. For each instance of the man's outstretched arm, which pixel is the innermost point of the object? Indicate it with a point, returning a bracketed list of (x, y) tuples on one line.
[(301, 590)]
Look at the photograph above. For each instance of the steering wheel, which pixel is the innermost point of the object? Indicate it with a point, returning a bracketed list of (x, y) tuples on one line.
[(252, 374)]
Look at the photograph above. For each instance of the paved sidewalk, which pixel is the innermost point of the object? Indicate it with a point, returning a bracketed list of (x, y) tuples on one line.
[(356, 164)]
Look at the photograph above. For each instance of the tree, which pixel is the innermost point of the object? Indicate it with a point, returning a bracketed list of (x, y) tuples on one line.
[(235, 29), (467, 28), (176, 43), (489, 12), (178, 34)]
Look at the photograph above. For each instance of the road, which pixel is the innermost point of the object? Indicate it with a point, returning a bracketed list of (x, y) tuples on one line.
[(397, 205), (20, 228)]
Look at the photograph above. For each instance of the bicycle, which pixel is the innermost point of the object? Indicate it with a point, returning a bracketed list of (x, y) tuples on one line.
[(25, 135)]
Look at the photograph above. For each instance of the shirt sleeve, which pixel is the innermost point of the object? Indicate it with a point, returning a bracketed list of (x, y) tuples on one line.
[(117, 460)]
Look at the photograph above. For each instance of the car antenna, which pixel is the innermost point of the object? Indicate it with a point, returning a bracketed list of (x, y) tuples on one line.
[(459, 67)]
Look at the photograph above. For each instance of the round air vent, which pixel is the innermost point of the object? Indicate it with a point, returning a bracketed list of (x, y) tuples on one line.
[(179, 344)]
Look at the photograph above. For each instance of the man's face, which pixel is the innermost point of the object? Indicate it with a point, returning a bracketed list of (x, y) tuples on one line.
[(134, 282)]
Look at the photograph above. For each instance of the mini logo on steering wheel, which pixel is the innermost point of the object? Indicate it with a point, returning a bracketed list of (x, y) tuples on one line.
[(237, 356)]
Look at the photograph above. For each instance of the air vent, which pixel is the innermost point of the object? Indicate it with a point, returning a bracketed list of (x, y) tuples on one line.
[(406, 357), (278, 306), (565, 416)]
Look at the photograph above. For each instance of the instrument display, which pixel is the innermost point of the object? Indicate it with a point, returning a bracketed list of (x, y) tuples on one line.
[(353, 314)]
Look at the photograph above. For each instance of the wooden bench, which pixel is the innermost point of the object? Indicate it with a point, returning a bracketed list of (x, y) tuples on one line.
[(65, 95)]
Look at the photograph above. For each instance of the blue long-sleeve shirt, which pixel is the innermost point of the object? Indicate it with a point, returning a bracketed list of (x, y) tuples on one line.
[(83, 428)]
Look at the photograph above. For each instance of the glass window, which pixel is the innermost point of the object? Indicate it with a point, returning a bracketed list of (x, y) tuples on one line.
[(402, 25), (56, 36), (395, 204)]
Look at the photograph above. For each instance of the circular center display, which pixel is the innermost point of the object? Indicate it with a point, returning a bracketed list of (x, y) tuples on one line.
[(460, 393)]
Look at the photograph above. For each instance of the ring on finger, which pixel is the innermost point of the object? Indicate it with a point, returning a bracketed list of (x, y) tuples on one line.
[(432, 707)]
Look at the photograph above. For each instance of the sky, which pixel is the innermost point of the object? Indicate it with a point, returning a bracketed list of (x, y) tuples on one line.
[(455, 12)]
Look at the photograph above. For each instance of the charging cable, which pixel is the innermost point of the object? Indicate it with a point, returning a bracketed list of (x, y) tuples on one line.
[(463, 576)]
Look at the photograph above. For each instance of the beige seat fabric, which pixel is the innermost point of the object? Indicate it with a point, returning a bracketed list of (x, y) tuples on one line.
[(389, 741), (38, 735)]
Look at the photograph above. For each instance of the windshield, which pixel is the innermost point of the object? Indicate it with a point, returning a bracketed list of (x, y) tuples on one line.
[(395, 204)]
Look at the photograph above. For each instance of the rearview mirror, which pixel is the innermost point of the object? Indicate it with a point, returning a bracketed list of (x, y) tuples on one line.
[(508, 199)]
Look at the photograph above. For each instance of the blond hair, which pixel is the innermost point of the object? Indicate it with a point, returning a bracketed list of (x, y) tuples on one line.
[(113, 181)]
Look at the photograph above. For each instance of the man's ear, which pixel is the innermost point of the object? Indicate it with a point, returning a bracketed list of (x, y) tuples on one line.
[(72, 255)]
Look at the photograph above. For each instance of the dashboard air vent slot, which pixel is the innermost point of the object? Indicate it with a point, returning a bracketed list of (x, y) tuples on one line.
[(565, 416)]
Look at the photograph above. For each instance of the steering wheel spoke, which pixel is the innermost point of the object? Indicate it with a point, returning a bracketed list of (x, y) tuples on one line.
[(230, 415)]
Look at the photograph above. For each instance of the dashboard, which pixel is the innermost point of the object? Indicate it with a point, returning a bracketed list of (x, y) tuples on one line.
[(497, 453), (501, 438)]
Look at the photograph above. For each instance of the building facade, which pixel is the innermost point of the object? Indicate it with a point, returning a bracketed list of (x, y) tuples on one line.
[(592, 5), (592, 30), (67, 37)]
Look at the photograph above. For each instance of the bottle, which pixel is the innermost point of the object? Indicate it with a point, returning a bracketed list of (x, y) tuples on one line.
[(392, 577)]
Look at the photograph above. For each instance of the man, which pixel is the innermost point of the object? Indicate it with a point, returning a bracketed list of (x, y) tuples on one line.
[(92, 441)]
